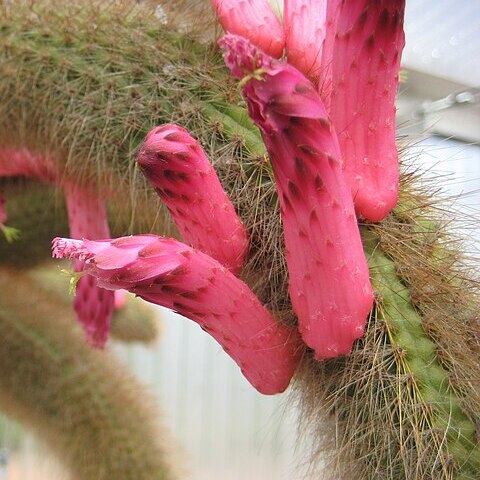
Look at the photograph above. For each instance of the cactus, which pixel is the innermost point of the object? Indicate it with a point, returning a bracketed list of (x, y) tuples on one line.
[(253, 19), (329, 280), (368, 45), (381, 425), (171, 274), (413, 378), (176, 166), (81, 402)]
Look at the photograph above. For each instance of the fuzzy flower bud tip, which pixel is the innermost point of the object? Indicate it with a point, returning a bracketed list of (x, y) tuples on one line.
[(177, 167), (329, 281), (69, 248), (168, 273)]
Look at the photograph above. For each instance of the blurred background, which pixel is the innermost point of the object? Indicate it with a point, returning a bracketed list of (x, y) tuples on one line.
[(227, 430)]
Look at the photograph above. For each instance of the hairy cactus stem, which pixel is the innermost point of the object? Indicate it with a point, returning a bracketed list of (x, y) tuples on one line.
[(81, 402), (418, 358)]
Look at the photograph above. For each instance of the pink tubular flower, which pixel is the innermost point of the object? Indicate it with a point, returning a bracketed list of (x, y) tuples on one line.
[(176, 166), (93, 305), (253, 19), (169, 273), (367, 51), (309, 36), (329, 278)]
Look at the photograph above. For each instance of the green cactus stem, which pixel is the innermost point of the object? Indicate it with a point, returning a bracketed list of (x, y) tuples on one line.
[(37, 212), (417, 364), (81, 402)]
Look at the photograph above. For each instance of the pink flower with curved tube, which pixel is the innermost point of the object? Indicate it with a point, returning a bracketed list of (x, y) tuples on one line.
[(328, 274), (368, 46), (166, 272), (177, 167), (253, 19), (23, 162)]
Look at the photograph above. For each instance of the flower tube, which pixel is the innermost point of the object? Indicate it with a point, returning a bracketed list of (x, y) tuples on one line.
[(329, 281), (169, 273)]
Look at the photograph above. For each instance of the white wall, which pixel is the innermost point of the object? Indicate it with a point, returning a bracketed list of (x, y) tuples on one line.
[(229, 431)]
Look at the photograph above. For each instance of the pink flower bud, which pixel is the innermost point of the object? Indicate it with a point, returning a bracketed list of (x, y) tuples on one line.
[(169, 273), (177, 167), (329, 279), (367, 51), (253, 19)]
